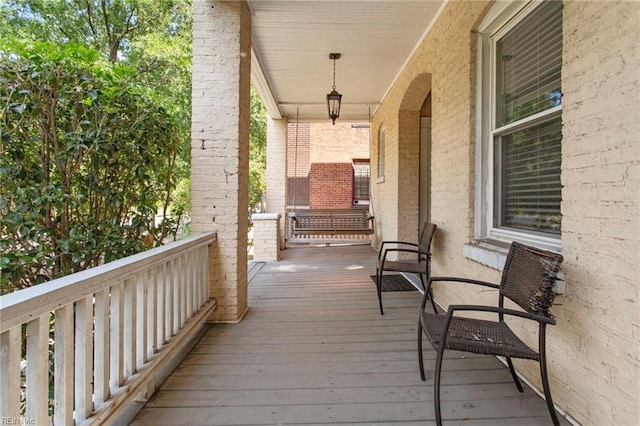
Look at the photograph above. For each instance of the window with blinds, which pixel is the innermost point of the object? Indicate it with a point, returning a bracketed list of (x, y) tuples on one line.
[(381, 153), (528, 127), (361, 177)]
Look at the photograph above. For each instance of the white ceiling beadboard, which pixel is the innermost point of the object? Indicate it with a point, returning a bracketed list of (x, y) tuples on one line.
[(292, 41)]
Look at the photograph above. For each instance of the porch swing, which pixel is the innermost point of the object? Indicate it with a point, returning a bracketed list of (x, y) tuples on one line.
[(326, 224)]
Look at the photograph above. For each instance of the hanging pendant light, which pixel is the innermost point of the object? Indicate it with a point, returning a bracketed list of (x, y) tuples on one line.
[(334, 98)]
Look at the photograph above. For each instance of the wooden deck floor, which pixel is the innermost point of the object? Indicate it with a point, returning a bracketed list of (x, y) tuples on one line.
[(313, 350)]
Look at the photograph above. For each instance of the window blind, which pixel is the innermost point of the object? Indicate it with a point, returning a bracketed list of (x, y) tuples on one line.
[(531, 187), (529, 62), (361, 177)]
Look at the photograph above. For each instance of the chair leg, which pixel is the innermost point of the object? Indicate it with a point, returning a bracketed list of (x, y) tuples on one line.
[(433, 302), (514, 375), (424, 288), (436, 385), (547, 389), (420, 360), (379, 289)]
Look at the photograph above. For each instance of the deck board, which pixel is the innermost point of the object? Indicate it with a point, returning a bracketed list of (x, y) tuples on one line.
[(314, 350)]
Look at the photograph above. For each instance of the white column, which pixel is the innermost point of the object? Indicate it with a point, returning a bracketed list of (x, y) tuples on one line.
[(277, 171), (220, 146), (266, 237)]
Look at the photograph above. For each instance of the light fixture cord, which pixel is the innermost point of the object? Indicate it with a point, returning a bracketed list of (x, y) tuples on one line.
[(370, 142), (334, 74), (295, 162)]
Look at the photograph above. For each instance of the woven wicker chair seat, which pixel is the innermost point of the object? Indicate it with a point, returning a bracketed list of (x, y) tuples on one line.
[(403, 266), (476, 336)]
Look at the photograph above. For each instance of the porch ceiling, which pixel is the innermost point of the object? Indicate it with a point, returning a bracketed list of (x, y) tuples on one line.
[(292, 40)]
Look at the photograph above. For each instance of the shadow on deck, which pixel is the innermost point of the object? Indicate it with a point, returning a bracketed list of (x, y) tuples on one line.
[(314, 349)]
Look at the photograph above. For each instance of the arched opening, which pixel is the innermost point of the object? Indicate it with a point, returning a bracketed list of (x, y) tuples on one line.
[(414, 148)]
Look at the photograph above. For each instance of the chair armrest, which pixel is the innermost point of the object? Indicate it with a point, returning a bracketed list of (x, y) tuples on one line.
[(499, 310), (417, 252), (453, 279), (466, 280), (405, 250), (400, 243)]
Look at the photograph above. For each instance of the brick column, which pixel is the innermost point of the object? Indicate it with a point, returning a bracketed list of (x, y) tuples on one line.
[(220, 146), (277, 171), (266, 237)]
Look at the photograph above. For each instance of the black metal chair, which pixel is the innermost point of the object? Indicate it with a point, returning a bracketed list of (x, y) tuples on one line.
[(527, 279), (418, 265)]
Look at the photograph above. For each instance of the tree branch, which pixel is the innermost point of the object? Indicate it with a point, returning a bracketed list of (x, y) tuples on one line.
[(90, 19)]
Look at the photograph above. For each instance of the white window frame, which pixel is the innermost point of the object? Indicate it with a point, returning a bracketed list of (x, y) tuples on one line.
[(365, 198), (500, 19), (381, 155)]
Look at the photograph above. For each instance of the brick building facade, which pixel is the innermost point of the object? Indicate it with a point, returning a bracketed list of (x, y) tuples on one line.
[(323, 165)]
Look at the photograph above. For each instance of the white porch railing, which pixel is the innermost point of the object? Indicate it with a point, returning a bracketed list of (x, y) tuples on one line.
[(98, 338)]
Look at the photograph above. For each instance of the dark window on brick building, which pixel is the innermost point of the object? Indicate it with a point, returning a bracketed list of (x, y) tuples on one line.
[(361, 177)]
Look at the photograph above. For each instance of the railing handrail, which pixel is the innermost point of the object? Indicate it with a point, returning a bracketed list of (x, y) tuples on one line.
[(24, 305)]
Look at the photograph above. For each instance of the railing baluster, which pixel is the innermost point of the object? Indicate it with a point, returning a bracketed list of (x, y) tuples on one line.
[(196, 282), (152, 303), (169, 283), (178, 294), (205, 273), (38, 370), (162, 294), (141, 323), (129, 328), (84, 359), (102, 342), (117, 337), (10, 350), (185, 290), (63, 366), (190, 282), (199, 273), (184, 284)]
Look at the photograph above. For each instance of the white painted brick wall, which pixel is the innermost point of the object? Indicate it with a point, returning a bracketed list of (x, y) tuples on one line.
[(220, 124), (266, 237), (601, 210), (594, 350)]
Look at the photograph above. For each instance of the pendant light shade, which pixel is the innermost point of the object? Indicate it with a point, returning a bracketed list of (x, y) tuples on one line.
[(334, 98)]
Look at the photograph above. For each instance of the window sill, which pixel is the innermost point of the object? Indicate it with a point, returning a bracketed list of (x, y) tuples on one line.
[(493, 253)]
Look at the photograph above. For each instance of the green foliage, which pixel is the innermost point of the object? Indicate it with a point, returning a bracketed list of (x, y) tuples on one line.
[(181, 206), (112, 28), (257, 153), (87, 155), (151, 36), (96, 132)]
